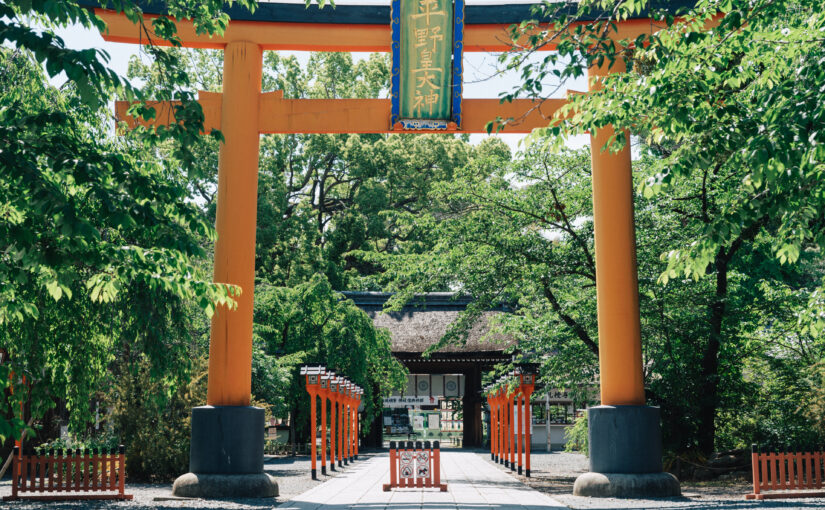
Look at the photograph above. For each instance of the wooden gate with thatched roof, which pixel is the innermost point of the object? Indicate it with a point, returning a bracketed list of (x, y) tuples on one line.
[(421, 324)]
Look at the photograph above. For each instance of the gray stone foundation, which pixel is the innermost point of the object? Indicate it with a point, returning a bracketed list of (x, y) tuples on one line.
[(625, 445), (226, 455)]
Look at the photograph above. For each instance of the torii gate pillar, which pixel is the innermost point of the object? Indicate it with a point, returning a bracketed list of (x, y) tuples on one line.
[(624, 435), (226, 452)]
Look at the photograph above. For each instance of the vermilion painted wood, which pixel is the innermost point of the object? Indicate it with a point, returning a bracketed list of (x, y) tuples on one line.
[(393, 468), (528, 420), (46, 474), (432, 481), (786, 475), (519, 430), (332, 441), (512, 417)]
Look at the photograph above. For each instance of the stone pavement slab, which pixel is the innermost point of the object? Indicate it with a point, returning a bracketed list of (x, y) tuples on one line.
[(472, 484)]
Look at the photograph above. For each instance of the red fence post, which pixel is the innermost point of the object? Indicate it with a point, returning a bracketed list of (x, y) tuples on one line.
[(519, 428), (512, 418), (333, 424), (491, 428), (502, 428), (505, 408), (341, 460), (313, 433), (357, 419), (323, 433), (112, 469), (347, 431), (122, 470), (437, 467), (393, 468), (496, 425), (528, 420)]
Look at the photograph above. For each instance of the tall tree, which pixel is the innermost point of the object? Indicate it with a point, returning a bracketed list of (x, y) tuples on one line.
[(731, 92), (89, 224)]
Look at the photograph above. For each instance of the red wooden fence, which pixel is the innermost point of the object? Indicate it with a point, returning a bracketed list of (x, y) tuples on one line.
[(786, 474), (413, 466), (74, 475)]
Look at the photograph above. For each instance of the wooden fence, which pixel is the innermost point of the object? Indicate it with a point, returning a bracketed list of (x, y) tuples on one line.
[(796, 474), (77, 474), (413, 466)]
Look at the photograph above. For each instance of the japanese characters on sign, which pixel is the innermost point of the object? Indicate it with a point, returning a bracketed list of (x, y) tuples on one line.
[(426, 82)]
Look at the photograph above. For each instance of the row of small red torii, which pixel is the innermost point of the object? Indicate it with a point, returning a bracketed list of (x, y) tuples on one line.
[(510, 430), (344, 397)]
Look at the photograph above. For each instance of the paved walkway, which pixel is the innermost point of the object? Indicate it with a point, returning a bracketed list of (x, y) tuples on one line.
[(472, 485)]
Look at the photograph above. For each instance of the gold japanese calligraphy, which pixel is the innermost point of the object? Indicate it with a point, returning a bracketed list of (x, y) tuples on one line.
[(426, 50)]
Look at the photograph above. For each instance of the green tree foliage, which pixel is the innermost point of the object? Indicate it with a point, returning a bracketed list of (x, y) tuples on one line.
[(729, 94), (98, 239), (92, 232), (523, 236), (731, 123)]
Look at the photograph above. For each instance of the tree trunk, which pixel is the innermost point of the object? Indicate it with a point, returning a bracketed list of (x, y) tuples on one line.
[(292, 432), (709, 399)]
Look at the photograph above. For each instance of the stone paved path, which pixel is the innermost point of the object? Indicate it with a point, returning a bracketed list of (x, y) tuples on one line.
[(472, 485)]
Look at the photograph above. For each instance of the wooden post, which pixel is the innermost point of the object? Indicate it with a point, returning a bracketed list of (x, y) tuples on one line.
[(230, 347), (490, 427), (348, 418), (348, 422), (313, 380), (313, 433), (357, 420), (61, 466), (520, 429), (502, 427), (528, 420), (121, 457), (333, 392), (512, 418), (493, 427), (113, 466), (338, 397), (324, 393), (617, 289), (393, 469)]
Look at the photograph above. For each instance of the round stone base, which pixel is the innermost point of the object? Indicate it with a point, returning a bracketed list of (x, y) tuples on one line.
[(192, 485), (622, 485)]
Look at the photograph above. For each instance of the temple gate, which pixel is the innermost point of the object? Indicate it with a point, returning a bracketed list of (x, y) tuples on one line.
[(625, 436)]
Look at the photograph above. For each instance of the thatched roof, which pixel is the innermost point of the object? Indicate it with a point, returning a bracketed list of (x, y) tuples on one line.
[(423, 322)]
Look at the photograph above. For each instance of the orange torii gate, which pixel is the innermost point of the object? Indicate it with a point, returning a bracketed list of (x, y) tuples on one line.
[(339, 392), (242, 112), (510, 417)]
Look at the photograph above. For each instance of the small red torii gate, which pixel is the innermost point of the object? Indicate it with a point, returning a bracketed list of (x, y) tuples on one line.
[(510, 420)]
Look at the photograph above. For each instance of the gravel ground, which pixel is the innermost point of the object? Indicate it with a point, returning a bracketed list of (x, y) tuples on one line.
[(292, 473), (554, 473)]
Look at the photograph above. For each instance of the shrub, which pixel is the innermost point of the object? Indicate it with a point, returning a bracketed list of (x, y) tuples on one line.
[(153, 424), (576, 436)]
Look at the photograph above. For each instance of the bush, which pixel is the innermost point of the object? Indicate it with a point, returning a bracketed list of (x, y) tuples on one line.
[(576, 436), (153, 424), (105, 441)]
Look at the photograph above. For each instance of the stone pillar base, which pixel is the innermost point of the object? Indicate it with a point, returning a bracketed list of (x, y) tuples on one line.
[(226, 455), (625, 455), (193, 485), (627, 485)]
